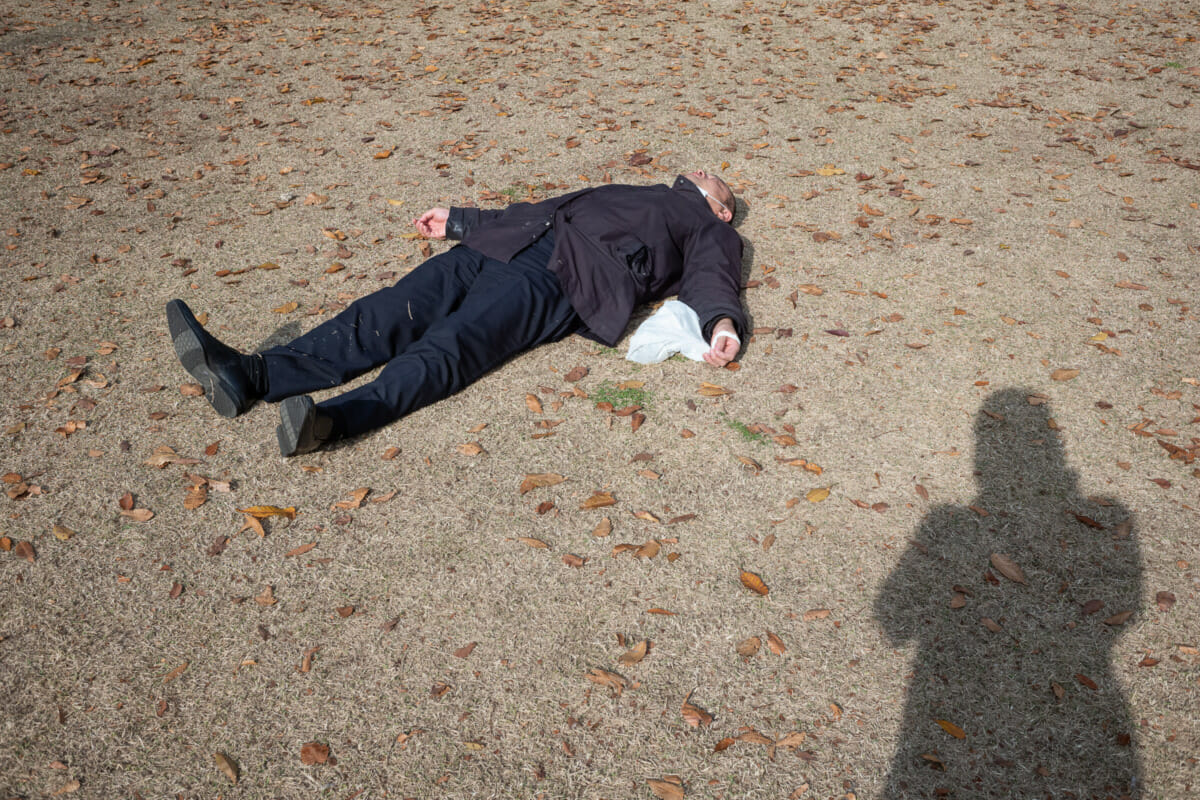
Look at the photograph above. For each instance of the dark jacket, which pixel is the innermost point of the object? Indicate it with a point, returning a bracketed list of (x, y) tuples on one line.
[(617, 247)]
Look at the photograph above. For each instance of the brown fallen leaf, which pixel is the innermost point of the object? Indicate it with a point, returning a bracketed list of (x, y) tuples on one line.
[(752, 736), (69, 787), (598, 500), (635, 653), (266, 597), (775, 644), (175, 673), (25, 550), (815, 614), (793, 739), (227, 766), (712, 390), (1064, 374), (574, 561), (747, 648), (470, 449), (609, 680), (1118, 619), (603, 528), (532, 542), (1007, 567), (533, 403), (665, 790), (754, 583), (356, 499), (648, 550), (314, 753), (301, 550), (196, 496), (253, 524), (307, 659), (264, 512), (816, 495), (539, 480), (951, 728), (694, 715)]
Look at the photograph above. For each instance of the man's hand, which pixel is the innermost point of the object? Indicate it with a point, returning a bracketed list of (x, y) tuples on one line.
[(432, 224), (725, 343)]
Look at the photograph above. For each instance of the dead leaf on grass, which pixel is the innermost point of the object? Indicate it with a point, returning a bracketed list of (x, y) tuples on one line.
[(694, 715), (598, 500), (265, 512), (540, 480), (175, 673), (356, 499), (69, 787), (227, 766), (665, 789), (754, 583), (1008, 568), (314, 753), (266, 597), (747, 648), (951, 728), (610, 680), (635, 653)]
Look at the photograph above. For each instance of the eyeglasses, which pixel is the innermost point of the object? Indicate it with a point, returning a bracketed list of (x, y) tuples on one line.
[(715, 200)]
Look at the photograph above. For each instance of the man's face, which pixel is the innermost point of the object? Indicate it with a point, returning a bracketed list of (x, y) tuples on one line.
[(717, 192)]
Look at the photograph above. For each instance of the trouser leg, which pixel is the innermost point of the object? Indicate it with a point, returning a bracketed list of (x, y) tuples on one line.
[(373, 329), (509, 309)]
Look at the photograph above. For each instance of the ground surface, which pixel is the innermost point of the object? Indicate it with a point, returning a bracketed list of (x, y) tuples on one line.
[(958, 451)]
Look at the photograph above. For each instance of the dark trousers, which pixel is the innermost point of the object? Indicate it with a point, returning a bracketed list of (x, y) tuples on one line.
[(438, 329)]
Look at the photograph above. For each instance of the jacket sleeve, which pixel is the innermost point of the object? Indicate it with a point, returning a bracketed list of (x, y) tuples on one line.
[(464, 220), (712, 275)]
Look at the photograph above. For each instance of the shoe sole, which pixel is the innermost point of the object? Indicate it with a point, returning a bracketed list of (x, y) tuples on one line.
[(294, 412), (191, 355)]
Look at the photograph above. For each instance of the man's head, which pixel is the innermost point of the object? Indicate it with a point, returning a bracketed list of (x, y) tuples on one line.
[(716, 192)]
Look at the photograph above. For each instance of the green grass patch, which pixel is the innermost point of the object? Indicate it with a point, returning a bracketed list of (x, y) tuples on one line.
[(744, 431), (608, 392)]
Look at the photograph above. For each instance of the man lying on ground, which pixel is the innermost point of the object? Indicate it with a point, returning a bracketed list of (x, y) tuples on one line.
[(522, 276)]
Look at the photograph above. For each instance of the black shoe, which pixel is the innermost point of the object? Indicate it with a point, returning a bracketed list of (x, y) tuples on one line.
[(301, 428), (222, 371)]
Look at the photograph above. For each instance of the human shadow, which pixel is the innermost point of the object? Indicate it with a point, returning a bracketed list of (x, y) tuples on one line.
[(1011, 693)]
